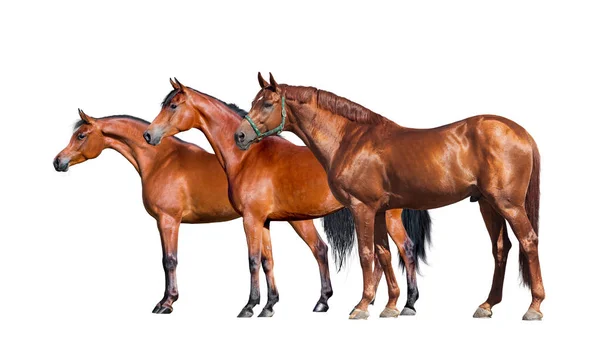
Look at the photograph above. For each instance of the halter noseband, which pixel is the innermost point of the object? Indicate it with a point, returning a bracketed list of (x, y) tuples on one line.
[(277, 130)]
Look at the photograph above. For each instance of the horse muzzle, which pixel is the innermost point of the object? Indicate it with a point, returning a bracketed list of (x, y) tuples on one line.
[(241, 140), (61, 164), (152, 138)]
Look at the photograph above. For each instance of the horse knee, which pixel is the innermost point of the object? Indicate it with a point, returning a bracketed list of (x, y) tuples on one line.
[(254, 264), (170, 262), (267, 265), (366, 256)]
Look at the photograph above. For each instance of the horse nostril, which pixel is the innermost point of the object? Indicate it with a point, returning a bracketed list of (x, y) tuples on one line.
[(55, 163), (147, 136), (240, 136)]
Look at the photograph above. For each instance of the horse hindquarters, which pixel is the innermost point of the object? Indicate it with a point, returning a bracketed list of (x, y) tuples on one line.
[(517, 200)]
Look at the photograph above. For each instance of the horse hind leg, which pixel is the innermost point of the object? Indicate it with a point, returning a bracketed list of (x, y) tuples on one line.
[(516, 216), (307, 231), (496, 227)]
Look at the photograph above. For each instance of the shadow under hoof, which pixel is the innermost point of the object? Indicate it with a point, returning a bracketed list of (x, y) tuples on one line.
[(321, 308), (246, 313), (408, 311), (358, 314), (532, 315), (389, 312), (162, 310), (266, 313), (482, 313)]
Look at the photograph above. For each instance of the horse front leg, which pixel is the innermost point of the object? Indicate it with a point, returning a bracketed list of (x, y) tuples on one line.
[(169, 231), (364, 218), (253, 226), (267, 265)]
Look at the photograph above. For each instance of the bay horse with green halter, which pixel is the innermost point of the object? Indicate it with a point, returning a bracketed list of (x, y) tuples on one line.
[(181, 183), (374, 165), (279, 181)]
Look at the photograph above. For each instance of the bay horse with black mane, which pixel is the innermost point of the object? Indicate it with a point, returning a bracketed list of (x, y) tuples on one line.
[(279, 181), (374, 165), (181, 183)]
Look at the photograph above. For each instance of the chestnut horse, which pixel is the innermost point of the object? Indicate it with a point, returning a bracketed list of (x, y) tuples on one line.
[(373, 165), (279, 181), (181, 183)]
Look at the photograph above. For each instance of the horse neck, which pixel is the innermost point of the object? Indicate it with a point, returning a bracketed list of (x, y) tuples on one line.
[(126, 137), (321, 130), (219, 123)]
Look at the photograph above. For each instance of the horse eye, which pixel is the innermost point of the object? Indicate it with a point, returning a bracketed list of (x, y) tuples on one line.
[(80, 136), (268, 104), (173, 106)]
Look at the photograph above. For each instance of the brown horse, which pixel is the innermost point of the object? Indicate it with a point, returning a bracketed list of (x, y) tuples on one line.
[(374, 165), (279, 181), (181, 183)]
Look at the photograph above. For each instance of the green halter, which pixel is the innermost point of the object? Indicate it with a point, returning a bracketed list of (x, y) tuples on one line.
[(277, 130)]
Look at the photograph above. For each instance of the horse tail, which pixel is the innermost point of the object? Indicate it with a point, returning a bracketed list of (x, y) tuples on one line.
[(418, 227), (532, 208), (339, 228)]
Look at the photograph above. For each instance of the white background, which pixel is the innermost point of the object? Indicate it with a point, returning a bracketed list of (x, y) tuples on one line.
[(81, 262)]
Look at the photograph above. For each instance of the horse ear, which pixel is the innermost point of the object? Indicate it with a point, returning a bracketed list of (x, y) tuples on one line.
[(88, 119), (181, 86), (261, 81), (273, 83), (173, 84)]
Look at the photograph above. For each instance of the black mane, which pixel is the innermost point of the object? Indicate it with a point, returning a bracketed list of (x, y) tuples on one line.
[(239, 111)]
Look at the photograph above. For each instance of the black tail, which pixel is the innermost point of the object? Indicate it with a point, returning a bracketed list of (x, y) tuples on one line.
[(532, 208), (418, 226), (339, 228)]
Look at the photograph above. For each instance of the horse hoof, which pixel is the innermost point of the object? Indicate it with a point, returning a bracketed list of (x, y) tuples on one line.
[(162, 310), (408, 311), (388, 312), (266, 313), (532, 315), (482, 313), (321, 308), (358, 314), (246, 313)]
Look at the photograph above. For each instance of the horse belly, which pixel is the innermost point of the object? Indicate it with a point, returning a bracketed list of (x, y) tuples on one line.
[(430, 190), (425, 200)]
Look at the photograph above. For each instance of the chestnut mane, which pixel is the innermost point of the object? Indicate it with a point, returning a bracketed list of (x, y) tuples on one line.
[(332, 103)]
